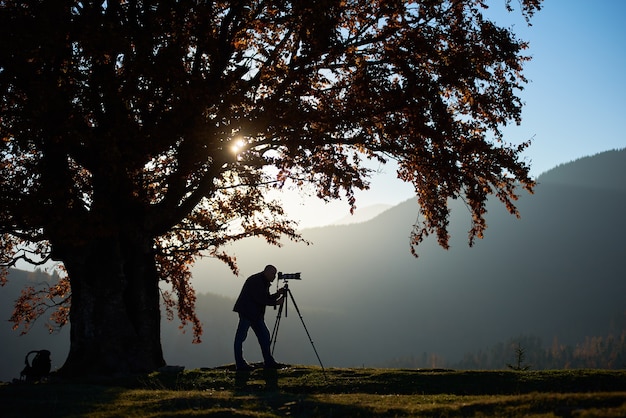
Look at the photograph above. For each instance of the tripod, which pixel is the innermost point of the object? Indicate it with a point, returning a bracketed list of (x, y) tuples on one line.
[(279, 316)]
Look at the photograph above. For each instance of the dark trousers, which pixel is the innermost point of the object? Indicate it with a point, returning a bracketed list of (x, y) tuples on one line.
[(262, 334)]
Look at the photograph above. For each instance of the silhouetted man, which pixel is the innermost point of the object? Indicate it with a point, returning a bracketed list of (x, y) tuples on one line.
[(254, 297)]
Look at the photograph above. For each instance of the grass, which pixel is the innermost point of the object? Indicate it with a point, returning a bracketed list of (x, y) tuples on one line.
[(309, 392)]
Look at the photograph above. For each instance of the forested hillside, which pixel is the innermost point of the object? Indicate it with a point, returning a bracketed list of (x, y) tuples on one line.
[(556, 272)]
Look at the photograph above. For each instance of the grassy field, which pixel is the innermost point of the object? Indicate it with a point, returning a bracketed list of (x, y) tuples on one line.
[(310, 392)]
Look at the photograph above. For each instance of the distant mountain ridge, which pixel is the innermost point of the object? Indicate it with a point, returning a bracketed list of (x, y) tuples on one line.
[(363, 214), (557, 273), (603, 170)]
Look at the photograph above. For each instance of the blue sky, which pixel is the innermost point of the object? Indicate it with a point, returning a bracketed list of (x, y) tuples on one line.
[(575, 101)]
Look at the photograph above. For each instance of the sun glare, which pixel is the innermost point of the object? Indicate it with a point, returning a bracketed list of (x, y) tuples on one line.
[(237, 146)]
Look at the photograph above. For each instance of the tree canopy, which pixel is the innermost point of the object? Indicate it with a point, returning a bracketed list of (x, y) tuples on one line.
[(141, 134)]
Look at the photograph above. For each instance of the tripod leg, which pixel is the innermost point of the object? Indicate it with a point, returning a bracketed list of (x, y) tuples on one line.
[(275, 330), (307, 331)]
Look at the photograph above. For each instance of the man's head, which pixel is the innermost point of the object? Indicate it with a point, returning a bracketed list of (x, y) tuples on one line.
[(270, 272)]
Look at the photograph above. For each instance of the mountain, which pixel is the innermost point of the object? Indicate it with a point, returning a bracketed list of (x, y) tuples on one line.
[(557, 273), (363, 214), (603, 171)]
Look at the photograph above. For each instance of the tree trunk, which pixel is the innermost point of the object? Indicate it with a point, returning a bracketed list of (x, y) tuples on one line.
[(115, 313)]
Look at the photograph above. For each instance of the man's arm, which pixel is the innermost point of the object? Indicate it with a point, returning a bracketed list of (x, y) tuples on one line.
[(279, 297), (260, 293)]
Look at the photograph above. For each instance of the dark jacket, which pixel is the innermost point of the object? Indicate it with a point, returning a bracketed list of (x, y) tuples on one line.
[(254, 297)]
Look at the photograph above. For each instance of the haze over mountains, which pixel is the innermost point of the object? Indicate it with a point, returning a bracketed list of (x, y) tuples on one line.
[(362, 214), (558, 272)]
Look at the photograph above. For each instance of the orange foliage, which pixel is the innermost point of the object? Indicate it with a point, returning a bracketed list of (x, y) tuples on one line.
[(35, 301)]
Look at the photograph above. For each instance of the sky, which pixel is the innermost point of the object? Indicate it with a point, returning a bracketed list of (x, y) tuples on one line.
[(575, 101)]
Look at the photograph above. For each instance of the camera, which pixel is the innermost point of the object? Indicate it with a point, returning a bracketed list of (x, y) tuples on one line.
[(289, 276)]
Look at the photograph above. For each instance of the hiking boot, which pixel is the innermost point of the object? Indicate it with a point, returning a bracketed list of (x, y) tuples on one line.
[(275, 365), (245, 367)]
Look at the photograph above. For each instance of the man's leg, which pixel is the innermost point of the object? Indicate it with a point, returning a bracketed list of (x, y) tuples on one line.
[(263, 335), (240, 337)]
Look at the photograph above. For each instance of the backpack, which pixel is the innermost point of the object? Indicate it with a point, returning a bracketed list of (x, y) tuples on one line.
[(39, 368)]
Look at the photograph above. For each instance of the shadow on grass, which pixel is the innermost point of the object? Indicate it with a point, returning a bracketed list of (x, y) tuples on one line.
[(54, 400), (309, 392)]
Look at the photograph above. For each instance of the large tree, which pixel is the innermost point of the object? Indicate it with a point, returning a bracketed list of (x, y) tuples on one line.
[(137, 135)]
